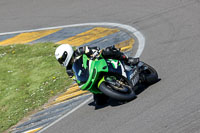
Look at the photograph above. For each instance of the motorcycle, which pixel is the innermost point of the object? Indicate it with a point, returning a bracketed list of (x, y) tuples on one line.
[(112, 77)]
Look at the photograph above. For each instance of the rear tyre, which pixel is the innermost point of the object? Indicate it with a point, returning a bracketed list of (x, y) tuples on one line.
[(150, 75), (117, 87)]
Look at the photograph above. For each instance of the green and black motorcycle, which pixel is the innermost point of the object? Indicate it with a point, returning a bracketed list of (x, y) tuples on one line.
[(112, 77)]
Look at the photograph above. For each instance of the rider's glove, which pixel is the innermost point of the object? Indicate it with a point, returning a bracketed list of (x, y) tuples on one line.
[(95, 54), (70, 73)]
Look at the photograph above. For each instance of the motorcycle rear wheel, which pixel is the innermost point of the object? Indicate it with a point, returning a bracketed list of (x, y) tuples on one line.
[(150, 75), (117, 87)]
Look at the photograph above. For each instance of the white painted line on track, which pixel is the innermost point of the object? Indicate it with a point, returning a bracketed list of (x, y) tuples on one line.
[(139, 36), (135, 32), (73, 110)]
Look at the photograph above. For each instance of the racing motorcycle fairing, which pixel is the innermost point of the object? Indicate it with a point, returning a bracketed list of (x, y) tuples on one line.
[(90, 73)]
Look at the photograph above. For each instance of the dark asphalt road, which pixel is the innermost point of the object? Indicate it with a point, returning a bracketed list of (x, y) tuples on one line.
[(172, 32)]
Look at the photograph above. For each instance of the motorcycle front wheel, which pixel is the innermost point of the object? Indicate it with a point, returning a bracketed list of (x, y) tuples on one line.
[(117, 87)]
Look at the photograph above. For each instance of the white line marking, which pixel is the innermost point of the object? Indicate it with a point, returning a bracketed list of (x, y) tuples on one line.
[(73, 110), (139, 36)]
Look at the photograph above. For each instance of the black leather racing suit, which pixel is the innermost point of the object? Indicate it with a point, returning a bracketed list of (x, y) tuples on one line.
[(109, 52)]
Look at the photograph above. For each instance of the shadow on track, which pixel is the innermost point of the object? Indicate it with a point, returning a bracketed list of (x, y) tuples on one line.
[(112, 102)]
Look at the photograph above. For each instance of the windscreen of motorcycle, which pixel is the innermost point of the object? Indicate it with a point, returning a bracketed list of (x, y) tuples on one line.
[(81, 73)]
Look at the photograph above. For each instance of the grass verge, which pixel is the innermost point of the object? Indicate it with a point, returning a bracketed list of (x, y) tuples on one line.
[(29, 76)]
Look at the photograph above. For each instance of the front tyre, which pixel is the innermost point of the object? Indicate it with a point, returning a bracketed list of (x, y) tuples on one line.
[(117, 87)]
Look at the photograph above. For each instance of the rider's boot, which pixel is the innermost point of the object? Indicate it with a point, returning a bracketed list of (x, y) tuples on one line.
[(129, 60), (133, 61)]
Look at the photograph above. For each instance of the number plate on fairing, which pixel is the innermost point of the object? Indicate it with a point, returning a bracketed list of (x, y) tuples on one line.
[(134, 77)]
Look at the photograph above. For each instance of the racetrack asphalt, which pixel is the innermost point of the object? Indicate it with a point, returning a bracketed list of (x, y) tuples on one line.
[(172, 32)]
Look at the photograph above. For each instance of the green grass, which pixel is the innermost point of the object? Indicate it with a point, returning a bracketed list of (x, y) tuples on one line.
[(29, 76)]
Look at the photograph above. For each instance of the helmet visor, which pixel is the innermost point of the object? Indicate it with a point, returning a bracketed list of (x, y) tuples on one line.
[(61, 60)]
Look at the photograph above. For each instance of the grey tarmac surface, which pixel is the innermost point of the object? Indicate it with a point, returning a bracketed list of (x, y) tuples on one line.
[(172, 32)]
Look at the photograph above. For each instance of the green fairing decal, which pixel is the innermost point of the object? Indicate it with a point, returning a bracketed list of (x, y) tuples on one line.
[(78, 82), (85, 59), (97, 66), (101, 81)]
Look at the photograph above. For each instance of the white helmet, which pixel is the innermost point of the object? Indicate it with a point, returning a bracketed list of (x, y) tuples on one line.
[(64, 54)]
